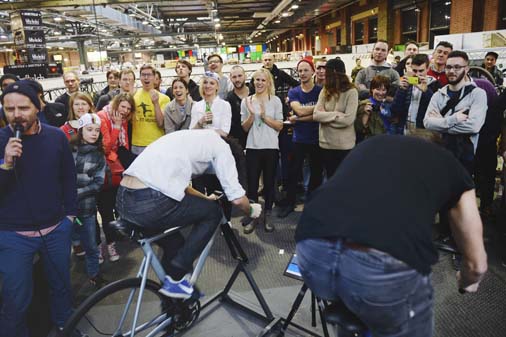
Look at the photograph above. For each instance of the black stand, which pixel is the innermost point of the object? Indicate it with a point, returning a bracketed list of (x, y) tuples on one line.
[(288, 320), (242, 260)]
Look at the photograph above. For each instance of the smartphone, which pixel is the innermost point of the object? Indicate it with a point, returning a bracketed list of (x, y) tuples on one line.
[(414, 80)]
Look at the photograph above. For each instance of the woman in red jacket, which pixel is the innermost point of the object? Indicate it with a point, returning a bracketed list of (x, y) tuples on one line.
[(114, 129)]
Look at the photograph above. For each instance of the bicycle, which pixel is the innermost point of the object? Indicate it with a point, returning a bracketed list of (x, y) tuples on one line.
[(160, 315)]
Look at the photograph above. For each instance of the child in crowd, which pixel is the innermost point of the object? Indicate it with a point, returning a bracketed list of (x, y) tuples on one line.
[(90, 168), (80, 103)]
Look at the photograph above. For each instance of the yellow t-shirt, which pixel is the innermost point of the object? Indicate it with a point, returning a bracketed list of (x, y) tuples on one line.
[(144, 127)]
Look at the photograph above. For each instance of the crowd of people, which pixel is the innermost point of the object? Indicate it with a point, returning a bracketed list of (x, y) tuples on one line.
[(54, 181)]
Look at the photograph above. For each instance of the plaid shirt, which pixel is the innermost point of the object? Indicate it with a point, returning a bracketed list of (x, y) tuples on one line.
[(90, 168)]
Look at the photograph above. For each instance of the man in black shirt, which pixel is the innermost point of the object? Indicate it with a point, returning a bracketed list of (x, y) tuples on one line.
[(365, 235), (234, 97)]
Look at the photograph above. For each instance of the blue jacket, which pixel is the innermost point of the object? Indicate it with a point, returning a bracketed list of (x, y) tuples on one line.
[(402, 101)]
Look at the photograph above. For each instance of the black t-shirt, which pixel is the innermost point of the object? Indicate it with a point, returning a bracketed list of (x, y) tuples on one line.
[(385, 195)]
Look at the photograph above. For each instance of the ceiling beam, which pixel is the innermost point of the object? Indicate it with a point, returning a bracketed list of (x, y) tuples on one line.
[(31, 4)]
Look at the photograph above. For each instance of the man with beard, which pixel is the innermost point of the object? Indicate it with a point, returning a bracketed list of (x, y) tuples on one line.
[(241, 90), (303, 100), (183, 71), (457, 111), (379, 66), (147, 123), (37, 210)]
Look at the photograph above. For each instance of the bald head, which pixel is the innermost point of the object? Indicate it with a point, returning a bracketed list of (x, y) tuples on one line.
[(268, 61)]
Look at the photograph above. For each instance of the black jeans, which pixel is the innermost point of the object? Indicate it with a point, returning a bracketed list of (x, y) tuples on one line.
[(258, 162), (300, 152), (331, 160), (485, 167), (105, 203), (156, 212)]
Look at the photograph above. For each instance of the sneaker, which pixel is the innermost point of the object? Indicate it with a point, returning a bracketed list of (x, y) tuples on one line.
[(78, 250), (446, 243), (250, 227), (177, 289), (268, 227), (111, 250), (101, 254)]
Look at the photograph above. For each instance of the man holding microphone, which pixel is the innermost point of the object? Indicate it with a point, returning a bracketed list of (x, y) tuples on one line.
[(38, 204)]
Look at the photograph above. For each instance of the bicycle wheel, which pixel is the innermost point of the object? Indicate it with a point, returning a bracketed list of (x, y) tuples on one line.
[(101, 313)]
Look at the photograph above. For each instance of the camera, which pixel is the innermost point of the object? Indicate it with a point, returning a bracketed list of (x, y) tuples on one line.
[(413, 80)]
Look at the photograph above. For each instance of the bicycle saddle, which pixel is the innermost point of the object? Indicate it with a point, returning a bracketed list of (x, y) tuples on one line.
[(336, 313), (125, 228)]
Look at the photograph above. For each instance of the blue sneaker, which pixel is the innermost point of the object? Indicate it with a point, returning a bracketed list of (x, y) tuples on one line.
[(177, 289)]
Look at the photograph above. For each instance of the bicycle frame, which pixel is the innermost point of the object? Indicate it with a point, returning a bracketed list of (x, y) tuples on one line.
[(150, 260)]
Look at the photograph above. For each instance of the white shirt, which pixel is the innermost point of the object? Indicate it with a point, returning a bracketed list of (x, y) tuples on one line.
[(222, 114), (168, 164), (416, 96)]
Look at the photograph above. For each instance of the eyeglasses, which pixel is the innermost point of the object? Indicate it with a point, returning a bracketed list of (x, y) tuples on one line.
[(147, 75), (457, 68)]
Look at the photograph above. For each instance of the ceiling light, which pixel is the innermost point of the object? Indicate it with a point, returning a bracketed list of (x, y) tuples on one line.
[(3, 36), (214, 10), (203, 18), (285, 14), (277, 21), (294, 6), (216, 19), (223, 43), (218, 25), (145, 22), (58, 19)]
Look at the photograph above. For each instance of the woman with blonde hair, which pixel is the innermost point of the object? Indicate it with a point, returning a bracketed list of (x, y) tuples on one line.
[(211, 112), (262, 119)]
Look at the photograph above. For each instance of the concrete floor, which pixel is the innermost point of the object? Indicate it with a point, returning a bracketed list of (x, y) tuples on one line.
[(473, 315)]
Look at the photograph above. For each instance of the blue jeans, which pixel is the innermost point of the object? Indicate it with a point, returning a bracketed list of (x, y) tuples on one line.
[(16, 261), (391, 298), (155, 211), (87, 233)]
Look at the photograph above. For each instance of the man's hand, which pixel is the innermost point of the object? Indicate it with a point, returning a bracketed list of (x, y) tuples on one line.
[(461, 117), (255, 210), (293, 119), (403, 84), (13, 149), (472, 288), (154, 96), (422, 85)]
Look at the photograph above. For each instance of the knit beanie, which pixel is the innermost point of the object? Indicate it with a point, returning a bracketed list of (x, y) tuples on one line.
[(23, 87)]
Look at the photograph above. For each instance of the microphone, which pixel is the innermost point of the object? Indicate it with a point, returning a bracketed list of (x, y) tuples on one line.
[(18, 129)]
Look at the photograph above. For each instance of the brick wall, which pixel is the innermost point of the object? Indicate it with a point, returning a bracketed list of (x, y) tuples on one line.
[(461, 16), (423, 23), (490, 14)]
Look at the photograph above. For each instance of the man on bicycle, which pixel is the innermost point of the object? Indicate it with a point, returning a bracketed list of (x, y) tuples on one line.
[(155, 193), (368, 240)]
